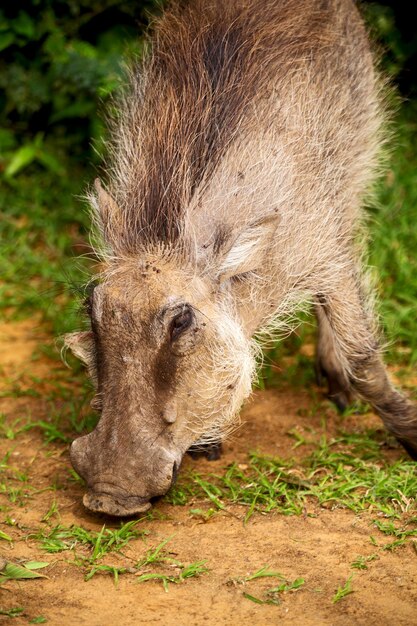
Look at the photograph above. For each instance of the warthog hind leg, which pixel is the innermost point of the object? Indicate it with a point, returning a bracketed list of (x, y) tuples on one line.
[(327, 364), (350, 356)]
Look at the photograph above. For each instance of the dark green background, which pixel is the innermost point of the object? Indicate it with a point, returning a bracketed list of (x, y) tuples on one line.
[(61, 60)]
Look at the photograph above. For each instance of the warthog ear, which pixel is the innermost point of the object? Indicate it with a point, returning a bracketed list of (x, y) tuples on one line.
[(107, 210), (82, 346), (248, 250)]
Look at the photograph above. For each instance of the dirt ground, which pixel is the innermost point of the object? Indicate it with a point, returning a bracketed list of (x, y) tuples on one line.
[(318, 548)]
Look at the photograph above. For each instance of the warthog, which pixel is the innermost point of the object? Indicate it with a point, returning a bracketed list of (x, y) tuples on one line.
[(243, 150)]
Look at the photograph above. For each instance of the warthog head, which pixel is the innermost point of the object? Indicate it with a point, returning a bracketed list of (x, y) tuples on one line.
[(172, 363)]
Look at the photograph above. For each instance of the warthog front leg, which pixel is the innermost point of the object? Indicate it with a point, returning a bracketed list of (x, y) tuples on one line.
[(350, 357), (211, 451)]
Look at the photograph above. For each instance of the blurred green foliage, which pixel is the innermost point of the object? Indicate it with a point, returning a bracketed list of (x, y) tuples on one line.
[(393, 26), (59, 61), (397, 50)]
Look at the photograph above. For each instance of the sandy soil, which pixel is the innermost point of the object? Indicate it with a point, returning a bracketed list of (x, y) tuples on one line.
[(319, 549)]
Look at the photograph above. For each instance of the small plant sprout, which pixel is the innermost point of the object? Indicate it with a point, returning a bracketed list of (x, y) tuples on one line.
[(288, 586), (114, 570), (203, 515), (361, 561), (53, 511), (263, 572), (185, 571), (343, 591), (156, 555), (13, 612), (5, 536), (271, 596)]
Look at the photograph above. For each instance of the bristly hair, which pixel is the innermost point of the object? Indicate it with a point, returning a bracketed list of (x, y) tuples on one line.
[(208, 63)]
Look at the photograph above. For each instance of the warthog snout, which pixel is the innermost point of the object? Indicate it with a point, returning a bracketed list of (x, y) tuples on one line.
[(169, 368), (121, 486)]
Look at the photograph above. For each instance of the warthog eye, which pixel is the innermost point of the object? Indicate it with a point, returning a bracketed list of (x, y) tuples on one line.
[(181, 322)]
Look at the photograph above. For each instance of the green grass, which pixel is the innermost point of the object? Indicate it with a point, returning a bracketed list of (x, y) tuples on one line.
[(157, 556), (66, 414), (102, 542), (38, 265), (394, 240), (347, 471), (90, 547)]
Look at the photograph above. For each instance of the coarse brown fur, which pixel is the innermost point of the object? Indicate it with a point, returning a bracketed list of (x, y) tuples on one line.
[(244, 147)]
